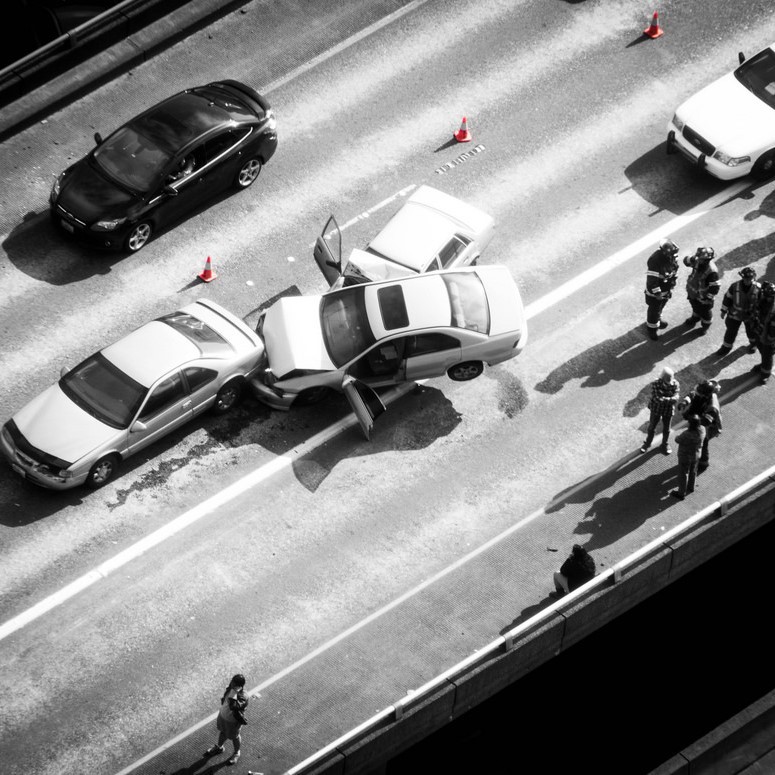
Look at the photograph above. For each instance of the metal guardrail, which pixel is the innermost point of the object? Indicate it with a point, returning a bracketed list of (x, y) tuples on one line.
[(70, 40), (506, 642)]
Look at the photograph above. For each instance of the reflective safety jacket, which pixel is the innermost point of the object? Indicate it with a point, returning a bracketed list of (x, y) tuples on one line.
[(703, 282), (661, 275), (740, 302)]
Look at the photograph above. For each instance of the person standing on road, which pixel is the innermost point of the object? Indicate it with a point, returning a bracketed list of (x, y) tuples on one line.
[(703, 401), (231, 718), (739, 306), (664, 397), (577, 569), (702, 287), (764, 328), (690, 442), (661, 277)]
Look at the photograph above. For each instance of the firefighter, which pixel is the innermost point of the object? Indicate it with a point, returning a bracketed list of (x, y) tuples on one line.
[(703, 401), (702, 287), (738, 306), (764, 328), (661, 276)]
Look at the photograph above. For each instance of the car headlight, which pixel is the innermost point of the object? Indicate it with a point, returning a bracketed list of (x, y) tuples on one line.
[(679, 125), (271, 121), (111, 225), (731, 161), (57, 186)]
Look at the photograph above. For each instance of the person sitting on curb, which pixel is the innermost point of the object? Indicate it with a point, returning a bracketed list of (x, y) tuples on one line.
[(689, 444), (577, 569)]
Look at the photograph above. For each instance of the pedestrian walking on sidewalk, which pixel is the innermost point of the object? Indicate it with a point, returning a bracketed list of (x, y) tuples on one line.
[(662, 403), (739, 307), (764, 328), (702, 287), (577, 569), (703, 401), (231, 718), (690, 442), (661, 277)]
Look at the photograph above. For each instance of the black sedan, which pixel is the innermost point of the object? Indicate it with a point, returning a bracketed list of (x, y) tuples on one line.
[(165, 163)]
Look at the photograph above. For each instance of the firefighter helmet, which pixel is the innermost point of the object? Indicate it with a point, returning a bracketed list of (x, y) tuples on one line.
[(768, 289), (705, 254), (708, 387), (668, 247), (748, 271)]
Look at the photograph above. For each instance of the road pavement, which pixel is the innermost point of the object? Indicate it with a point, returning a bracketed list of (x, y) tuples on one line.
[(360, 570)]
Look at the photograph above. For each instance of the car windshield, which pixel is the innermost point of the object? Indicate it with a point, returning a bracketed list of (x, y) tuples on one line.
[(758, 76), (468, 300), (208, 340), (104, 391), (345, 324)]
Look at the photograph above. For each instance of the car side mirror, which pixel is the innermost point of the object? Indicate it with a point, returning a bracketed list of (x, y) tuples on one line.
[(741, 57), (63, 371), (98, 138), (138, 427), (170, 190)]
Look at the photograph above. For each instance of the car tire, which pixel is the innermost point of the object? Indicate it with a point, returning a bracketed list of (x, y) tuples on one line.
[(248, 172), (765, 165), (311, 396), (137, 238), (462, 372), (102, 471), (228, 396)]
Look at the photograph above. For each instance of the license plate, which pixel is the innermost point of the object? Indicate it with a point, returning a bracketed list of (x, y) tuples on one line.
[(19, 470), (68, 227)]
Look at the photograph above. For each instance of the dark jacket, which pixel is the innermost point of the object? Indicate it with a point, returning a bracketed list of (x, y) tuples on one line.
[(690, 443), (578, 569), (661, 275), (237, 705)]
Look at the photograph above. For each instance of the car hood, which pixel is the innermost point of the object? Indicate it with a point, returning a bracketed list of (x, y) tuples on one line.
[(293, 336), (727, 115), (90, 196), (52, 423)]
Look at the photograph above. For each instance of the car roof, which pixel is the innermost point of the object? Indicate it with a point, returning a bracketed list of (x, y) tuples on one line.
[(180, 119), (150, 352)]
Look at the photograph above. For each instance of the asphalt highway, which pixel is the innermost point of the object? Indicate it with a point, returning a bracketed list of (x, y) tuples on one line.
[(336, 573)]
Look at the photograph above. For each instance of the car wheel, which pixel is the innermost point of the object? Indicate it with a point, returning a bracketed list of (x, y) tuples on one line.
[(139, 235), (227, 396), (102, 471), (248, 172), (310, 396), (765, 165), (462, 372)]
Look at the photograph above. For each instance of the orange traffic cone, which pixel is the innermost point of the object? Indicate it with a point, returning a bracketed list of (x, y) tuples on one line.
[(463, 135), (654, 30), (207, 274)]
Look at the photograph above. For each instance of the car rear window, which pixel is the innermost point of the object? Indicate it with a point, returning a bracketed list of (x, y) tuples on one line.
[(207, 339), (758, 76), (468, 300)]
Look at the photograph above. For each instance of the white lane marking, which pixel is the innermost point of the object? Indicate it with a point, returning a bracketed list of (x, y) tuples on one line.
[(188, 518), (650, 240), (282, 462)]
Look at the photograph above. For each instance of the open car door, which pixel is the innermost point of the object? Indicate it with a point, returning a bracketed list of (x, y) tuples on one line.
[(364, 401), (330, 265)]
